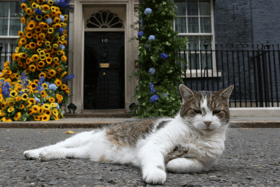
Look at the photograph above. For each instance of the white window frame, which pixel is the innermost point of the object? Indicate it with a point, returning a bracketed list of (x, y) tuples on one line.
[(7, 53), (200, 72)]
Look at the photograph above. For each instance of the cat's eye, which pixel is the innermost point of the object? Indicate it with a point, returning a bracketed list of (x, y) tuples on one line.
[(197, 111), (216, 111)]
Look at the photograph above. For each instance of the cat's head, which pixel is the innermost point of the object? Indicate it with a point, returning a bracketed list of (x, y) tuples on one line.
[(205, 111)]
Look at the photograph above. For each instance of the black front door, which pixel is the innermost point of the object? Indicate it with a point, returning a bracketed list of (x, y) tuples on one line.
[(104, 70)]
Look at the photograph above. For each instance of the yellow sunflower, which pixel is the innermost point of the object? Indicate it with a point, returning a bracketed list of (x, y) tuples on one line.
[(24, 97), (18, 98), (13, 93), (29, 104), (53, 105), (45, 117), (3, 106), (30, 111), (6, 119), (45, 85), (11, 109), (2, 113), (32, 67), (48, 112), (58, 82), (44, 94), (17, 116), (23, 6), (46, 106), (55, 112), (21, 106), (51, 100)]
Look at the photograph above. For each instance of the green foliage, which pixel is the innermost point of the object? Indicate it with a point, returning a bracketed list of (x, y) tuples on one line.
[(168, 73)]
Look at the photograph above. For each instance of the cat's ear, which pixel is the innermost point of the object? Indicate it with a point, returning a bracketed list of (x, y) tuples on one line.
[(226, 92), (185, 91)]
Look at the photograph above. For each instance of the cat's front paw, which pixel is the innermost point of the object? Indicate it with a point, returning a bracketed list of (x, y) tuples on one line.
[(31, 154), (154, 175)]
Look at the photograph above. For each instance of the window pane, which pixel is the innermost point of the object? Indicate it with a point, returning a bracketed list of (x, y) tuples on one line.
[(192, 8), (15, 8), (193, 25), (180, 25), (13, 45), (203, 58), (15, 26), (193, 61), (204, 7), (193, 42), (8, 45), (4, 8), (181, 7), (3, 27), (204, 39), (205, 24)]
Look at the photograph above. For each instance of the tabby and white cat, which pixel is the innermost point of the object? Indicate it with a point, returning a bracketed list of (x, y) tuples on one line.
[(192, 141)]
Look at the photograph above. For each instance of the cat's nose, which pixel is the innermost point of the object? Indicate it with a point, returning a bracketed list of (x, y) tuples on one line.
[(208, 123)]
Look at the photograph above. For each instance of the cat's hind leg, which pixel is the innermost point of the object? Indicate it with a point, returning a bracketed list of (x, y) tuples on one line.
[(52, 153), (74, 141), (185, 165)]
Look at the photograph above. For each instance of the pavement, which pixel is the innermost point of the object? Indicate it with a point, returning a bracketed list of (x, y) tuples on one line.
[(251, 158), (236, 122)]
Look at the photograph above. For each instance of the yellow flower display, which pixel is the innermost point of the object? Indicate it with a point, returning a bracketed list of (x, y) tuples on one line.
[(34, 84)]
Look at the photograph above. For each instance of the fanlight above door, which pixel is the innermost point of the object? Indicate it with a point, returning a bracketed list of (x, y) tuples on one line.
[(104, 19)]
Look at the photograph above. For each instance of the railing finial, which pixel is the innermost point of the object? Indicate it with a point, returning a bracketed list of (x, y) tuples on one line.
[(268, 44), (205, 45)]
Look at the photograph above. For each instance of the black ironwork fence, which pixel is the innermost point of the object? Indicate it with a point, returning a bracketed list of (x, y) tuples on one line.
[(254, 71), (6, 52)]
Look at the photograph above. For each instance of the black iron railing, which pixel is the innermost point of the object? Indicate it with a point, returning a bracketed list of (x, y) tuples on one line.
[(254, 71), (6, 52)]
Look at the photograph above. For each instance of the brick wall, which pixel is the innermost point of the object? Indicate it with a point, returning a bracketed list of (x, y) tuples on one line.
[(247, 21)]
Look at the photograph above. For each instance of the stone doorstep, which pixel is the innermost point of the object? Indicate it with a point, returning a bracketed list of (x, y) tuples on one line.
[(255, 112)]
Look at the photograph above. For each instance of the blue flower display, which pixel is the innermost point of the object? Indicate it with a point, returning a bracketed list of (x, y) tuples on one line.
[(57, 105), (147, 46), (47, 83), (140, 34), (5, 88), (49, 21), (62, 18), (52, 87), (164, 95), (152, 89), (24, 1), (63, 3), (154, 98), (68, 78), (163, 56), (152, 71), (141, 21), (152, 38), (147, 11), (38, 11), (37, 100), (60, 30), (61, 46), (24, 80)]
